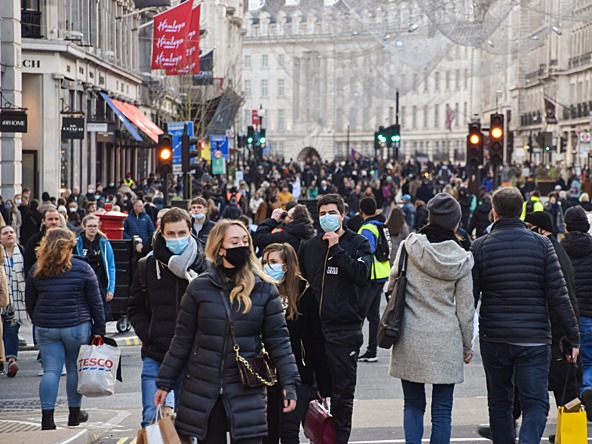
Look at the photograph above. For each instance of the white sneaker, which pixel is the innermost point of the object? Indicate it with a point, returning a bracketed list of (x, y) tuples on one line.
[(63, 370), (40, 372)]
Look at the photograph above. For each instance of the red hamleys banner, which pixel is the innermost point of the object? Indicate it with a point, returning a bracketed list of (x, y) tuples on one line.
[(171, 28), (190, 64)]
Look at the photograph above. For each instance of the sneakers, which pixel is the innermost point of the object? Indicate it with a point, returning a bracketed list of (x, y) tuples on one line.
[(13, 369), (368, 357), (484, 431), (2, 368)]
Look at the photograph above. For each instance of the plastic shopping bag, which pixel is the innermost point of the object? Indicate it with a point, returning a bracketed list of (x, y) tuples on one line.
[(97, 368)]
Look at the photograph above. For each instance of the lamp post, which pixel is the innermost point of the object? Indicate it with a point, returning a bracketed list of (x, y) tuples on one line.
[(260, 114)]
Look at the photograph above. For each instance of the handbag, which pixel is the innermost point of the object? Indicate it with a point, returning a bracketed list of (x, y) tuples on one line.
[(391, 321), (254, 372), (572, 426), (97, 368), (318, 424)]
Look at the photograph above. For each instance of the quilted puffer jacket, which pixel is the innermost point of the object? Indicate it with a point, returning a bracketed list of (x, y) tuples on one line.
[(578, 247)]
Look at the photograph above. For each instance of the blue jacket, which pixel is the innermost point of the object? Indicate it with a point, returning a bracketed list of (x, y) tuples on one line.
[(138, 226), (66, 300), (518, 278), (108, 260)]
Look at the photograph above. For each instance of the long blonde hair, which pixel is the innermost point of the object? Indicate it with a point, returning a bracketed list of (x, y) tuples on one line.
[(55, 253), (245, 278)]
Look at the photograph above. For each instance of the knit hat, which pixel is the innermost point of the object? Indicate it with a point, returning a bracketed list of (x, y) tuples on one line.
[(540, 219), (576, 220), (444, 211)]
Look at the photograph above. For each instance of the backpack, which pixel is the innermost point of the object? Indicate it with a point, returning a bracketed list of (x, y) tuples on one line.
[(384, 244), (529, 206)]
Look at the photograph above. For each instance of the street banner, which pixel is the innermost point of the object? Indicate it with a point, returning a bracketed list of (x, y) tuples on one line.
[(169, 44), (72, 128), (356, 155), (176, 130), (206, 70), (140, 4), (450, 116), (191, 62), (550, 111)]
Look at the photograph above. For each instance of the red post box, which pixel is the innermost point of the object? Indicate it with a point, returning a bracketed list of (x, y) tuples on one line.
[(112, 222)]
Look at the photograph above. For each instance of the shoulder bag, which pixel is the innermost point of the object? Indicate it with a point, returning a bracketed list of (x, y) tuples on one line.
[(254, 372), (391, 321)]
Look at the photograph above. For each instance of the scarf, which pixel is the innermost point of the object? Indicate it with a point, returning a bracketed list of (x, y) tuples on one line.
[(437, 234), (179, 264), (16, 287)]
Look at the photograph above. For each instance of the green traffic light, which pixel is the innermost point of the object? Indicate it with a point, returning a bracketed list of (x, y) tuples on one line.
[(249, 140), (396, 138), (381, 138), (547, 148), (262, 140)]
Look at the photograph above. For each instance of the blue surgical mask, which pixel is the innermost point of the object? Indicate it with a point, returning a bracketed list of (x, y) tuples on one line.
[(198, 216), (177, 245), (329, 222), (274, 271)]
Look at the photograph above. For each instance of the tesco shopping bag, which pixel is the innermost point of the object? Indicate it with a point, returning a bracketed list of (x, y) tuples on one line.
[(97, 368)]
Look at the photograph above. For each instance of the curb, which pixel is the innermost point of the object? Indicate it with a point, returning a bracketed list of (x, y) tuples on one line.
[(121, 342)]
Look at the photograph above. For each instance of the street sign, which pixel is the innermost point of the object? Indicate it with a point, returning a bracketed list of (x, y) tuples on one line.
[(13, 121), (255, 119), (218, 166), (217, 154), (219, 142), (96, 127), (176, 129), (585, 137)]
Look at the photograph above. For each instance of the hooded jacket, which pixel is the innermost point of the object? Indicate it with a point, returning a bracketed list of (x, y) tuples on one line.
[(480, 219), (203, 348), (519, 281), (338, 277), (578, 247), (292, 233), (439, 295)]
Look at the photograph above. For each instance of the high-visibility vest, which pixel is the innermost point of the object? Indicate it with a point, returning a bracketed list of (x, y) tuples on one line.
[(380, 270)]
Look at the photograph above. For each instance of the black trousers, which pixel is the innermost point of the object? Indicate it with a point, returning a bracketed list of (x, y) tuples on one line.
[(373, 315), (286, 425), (343, 348), (218, 426)]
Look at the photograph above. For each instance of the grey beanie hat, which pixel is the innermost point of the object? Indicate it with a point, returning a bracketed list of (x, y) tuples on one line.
[(444, 211)]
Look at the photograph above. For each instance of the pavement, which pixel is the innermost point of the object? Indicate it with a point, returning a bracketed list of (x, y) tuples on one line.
[(20, 419)]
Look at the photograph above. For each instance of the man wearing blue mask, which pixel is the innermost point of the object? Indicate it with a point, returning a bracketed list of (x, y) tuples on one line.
[(337, 265), (202, 225), (155, 296)]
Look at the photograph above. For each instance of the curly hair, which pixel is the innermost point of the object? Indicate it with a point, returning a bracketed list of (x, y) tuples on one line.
[(54, 254)]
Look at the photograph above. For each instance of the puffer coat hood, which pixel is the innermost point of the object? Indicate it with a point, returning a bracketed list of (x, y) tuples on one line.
[(578, 247)]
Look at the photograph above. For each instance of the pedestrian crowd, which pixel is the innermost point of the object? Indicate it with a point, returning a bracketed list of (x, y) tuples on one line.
[(288, 263)]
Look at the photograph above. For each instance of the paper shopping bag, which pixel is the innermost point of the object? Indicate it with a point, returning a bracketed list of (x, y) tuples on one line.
[(168, 431), (572, 427), (154, 435), (141, 438)]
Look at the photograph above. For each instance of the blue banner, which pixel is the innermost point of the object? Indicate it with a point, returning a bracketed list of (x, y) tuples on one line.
[(176, 130)]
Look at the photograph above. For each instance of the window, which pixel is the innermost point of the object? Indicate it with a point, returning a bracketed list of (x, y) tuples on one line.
[(264, 61), (457, 80), (466, 78), (247, 61), (436, 116), (465, 112), (437, 81), (403, 117), (281, 61), (414, 117), (447, 80), (425, 116), (281, 123), (281, 88), (247, 88), (456, 115), (264, 88)]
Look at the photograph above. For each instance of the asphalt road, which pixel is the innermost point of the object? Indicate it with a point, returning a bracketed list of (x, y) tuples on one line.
[(378, 411)]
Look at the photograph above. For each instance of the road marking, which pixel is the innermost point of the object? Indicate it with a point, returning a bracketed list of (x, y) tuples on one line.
[(122, 441), (395, 441), (132, 341)]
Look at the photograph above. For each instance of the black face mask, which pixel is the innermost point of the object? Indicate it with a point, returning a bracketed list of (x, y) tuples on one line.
[(238, 256)]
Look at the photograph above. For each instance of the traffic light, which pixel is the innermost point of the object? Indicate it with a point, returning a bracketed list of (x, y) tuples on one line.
[(395, 135), (496, 137), (164, 154), (262, 139), (250, 135), (475, 144), (382, 134), (562, 144), (187, 153)]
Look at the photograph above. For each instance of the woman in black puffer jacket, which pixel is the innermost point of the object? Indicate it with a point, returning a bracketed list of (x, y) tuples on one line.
[(213, 399)]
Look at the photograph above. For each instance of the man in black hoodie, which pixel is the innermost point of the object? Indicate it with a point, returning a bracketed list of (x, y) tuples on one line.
[(293, 227), (337, 265)]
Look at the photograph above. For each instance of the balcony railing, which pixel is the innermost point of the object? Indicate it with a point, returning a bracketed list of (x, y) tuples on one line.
[(31, 24)]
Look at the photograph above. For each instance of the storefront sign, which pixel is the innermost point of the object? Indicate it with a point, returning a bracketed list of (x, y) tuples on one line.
[(96, 127), (72, 128), (13, 121)]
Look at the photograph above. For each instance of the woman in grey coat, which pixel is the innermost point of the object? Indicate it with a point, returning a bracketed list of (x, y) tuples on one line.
[(439, 297)]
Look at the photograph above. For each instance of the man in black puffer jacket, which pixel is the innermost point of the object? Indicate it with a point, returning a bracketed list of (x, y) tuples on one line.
[(518, 278), (155, 296), (578, 245), (296, 227)]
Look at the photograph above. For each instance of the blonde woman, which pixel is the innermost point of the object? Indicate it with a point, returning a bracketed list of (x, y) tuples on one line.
[(212, 398), (64, 302)]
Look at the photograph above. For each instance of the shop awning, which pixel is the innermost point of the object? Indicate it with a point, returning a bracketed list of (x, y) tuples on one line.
[(129, 126), (138, 118)]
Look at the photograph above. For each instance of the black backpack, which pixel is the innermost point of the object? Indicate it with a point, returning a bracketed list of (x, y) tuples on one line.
[(529, 206), (384, 244)]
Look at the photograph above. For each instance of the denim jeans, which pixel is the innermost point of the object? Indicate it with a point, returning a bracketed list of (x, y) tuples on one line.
[(10, 337), (528, 367), (59, 346), (150, 369), (414, 409), (585, 352)]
